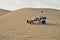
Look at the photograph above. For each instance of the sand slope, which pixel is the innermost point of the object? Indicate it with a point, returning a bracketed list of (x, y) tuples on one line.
[(13, 26), (3, 12)]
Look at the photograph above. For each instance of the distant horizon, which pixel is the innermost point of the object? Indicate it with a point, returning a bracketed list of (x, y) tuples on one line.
[(28, 7), (18, 4)]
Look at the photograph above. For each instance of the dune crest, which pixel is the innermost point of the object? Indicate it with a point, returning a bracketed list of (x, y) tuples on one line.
[(3, 12)]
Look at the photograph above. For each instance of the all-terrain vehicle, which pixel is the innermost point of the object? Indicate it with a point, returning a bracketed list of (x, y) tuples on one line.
[(37, 20)]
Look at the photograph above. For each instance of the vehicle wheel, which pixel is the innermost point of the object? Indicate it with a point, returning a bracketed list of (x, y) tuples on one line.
[(43, 22), (27, 21), (31, 22)]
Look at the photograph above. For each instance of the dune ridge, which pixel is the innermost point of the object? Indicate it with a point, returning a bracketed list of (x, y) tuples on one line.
[(3, 12)]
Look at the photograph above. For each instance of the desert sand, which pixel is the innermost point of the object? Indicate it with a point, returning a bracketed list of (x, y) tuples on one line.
[(13, 26), (3, 11)]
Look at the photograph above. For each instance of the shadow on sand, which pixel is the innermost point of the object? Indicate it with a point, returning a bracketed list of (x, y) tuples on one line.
[(47, 24)]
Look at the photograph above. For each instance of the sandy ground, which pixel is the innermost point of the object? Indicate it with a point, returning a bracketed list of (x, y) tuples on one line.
[(13, 26)]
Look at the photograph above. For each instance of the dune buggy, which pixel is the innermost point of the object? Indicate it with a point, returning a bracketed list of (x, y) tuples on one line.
[(37, 20)]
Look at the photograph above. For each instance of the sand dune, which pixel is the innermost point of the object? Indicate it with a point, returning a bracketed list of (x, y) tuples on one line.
[(13, 26), (3, 12)]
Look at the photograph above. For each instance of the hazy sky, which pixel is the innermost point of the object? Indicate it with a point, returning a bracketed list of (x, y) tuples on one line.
[(17, 4)]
